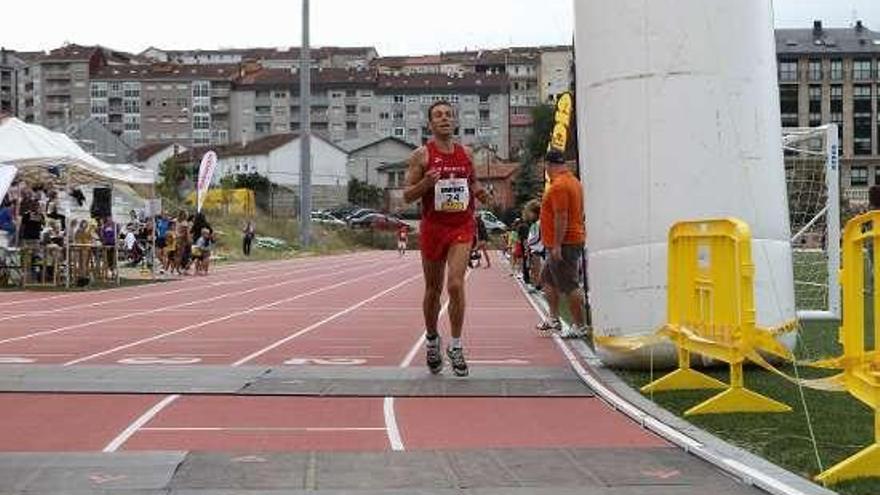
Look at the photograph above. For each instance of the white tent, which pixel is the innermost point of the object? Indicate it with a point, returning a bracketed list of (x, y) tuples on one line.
[(35, 150)]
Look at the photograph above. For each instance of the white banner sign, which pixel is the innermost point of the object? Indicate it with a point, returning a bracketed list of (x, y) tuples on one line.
[(206, 173), (7, 173)]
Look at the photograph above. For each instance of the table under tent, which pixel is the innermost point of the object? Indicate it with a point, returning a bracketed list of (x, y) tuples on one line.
[(52, 159)]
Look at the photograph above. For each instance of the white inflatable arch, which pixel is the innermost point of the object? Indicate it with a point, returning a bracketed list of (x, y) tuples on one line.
[(678, 118)]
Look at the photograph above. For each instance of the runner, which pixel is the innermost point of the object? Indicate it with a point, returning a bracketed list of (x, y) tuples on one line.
[(402, 233), (441, 174)]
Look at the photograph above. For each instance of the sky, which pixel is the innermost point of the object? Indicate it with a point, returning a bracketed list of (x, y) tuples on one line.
[(394, 27)]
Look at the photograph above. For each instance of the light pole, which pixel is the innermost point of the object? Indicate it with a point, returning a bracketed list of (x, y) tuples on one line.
[(305, 179)]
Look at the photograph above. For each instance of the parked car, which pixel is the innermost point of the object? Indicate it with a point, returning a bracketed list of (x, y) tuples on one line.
[(360, 212), (326, 219), (493, 225), (377, 221)]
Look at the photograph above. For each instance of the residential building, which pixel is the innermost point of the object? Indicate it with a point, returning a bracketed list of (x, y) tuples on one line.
[(164, 102), (274, 58), (556, 69), (367, 155), (830, 75), (481, 102), (95, 138), (53, 89), (151, 156), (277, 158), (10, 64), (266, 101)]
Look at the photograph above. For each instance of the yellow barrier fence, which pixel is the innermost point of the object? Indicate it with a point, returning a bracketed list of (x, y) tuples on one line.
[(861, 366), (235, 201), (711, 312)]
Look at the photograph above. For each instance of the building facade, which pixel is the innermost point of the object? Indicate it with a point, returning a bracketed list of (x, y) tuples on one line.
[(164, 102), (831, 76), (10, 65)]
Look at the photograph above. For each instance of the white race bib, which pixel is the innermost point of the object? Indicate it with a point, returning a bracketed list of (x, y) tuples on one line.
[(451, 195)]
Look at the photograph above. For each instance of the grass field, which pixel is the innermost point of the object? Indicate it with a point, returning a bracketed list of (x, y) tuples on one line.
[(824, 427)]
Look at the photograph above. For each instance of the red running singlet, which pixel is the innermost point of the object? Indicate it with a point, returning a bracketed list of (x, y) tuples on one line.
[(440, 229)]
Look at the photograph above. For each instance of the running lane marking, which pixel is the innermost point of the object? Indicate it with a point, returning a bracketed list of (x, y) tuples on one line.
[(189, 287), (264, 428), (322, 322), (161, 309), (224, 318), (393, 431), (127, 433)]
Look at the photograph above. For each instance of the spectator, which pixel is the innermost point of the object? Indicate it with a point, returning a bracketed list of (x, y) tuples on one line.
[(247, 236)]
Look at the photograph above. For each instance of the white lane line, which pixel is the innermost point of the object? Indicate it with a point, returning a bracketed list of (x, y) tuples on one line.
[(322, 322), (189, 287), (268, 429), (394, 437), (163, 309), (391, 429), (222, 318), (123, 437)]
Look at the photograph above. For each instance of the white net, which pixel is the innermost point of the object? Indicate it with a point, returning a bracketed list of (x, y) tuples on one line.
[(811, 172)]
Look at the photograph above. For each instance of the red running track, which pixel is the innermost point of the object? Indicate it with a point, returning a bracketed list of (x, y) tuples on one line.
[(354, 310)]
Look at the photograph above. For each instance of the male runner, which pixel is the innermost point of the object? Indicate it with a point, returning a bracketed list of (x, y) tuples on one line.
[(441, 174)]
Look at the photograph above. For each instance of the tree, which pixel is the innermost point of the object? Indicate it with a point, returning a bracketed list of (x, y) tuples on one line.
[(542, 128), (171, 175), (363, 194), (527, 185)]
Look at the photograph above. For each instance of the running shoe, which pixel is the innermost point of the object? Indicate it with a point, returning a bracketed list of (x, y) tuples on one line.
[(549, 327), (433, 355), (456, 359)]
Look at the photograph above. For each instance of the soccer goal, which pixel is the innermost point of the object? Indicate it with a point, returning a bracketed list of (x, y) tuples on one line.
[(812, 175)]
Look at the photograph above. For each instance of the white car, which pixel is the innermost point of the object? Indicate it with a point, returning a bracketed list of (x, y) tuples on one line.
[(326, 219)]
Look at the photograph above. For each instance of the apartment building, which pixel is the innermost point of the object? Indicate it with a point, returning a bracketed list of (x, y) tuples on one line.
[(830, 75), (555, 73), (273, 58), (481, 103), (266, 101), (164, 102), (10, 64)]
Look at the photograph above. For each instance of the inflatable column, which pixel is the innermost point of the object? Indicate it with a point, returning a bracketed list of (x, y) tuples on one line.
[(678, 118)]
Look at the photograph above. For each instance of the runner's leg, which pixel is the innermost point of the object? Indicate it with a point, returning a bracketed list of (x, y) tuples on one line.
[(457, 259)]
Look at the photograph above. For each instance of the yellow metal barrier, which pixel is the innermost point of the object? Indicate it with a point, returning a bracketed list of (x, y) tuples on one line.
[(711, 311), (861, 366), (235, 201)]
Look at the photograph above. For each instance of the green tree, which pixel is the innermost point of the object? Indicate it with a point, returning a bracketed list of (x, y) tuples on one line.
[(363, 194), (171, 174), (528, 184), (542, 127)]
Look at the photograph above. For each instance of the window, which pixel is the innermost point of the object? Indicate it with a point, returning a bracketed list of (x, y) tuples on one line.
[(484, 98), (99, 90), (858, 176), (384, 115), (350, 109), (131, 90), (484, 115), (815, 70), (862, 69), (351, 126), (397, 116), (262, 127), (815, 94), (836, 69), (862, 119), (201, 122), (788, 102), (366, 94), (132, 122), (201, 89), (131, 106), (470, 131), (788, 70), (366, 109), (397, 99), (350, 93), (202, 105), (99, 107), (278, 95), (399, 132)]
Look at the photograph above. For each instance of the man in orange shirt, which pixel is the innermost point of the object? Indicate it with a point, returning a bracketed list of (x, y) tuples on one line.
[(564, 235)]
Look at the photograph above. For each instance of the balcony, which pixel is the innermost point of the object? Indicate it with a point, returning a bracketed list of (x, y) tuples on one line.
[(220, 92), (856, 195), (220, 108), (63, 89), (55, 75), (57, 107)]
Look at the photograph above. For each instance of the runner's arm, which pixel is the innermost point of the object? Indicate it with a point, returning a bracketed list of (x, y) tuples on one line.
[(417, 181)]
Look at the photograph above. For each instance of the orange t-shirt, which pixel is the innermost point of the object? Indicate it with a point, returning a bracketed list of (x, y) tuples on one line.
[(564, 194)]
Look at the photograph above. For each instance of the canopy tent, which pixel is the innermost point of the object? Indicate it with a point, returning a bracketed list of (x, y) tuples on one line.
[(39, 154)]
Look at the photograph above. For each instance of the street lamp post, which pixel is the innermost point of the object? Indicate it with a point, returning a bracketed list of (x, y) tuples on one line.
[(305, 179)]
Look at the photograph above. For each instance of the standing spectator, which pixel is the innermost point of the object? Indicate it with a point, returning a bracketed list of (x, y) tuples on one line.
[(522, 235), (482, 241), (534, 246), (7, 221), (247, 236), (108, 240), (564, 235)]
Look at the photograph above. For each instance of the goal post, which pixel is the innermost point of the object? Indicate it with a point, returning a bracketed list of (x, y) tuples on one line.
[(812, 173)]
